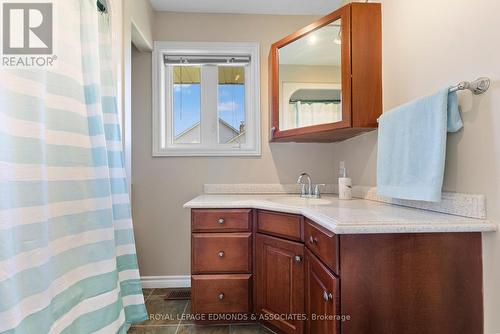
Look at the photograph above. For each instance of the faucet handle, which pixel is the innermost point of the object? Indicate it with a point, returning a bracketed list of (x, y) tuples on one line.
[(316, 192)]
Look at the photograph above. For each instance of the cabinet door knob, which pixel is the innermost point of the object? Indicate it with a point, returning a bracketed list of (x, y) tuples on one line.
[(221, 221), (327, 296), (313, 240), (221, 253), (298, 258), (221, 296)]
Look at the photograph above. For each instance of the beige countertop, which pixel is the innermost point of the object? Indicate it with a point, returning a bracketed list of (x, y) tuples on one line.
[(356, 216)]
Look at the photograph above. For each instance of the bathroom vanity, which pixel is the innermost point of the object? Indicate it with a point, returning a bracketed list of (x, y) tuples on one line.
[(324, 265)]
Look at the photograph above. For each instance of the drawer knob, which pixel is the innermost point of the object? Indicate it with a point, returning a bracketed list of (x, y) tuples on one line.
[(221, 296), (327, 296), (313, 240), (221, 221), (298, 258), (221, 253)]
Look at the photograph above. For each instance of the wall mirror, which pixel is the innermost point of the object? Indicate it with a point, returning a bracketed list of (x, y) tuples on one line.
[(310, 78)]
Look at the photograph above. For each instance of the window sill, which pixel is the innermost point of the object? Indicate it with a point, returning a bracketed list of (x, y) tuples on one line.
[(203, 152)]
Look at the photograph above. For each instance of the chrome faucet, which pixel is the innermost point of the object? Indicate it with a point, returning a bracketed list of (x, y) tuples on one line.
[(303, 191), (308, 192)]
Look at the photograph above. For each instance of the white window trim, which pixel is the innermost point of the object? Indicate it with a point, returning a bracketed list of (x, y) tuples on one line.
[(162, 145)]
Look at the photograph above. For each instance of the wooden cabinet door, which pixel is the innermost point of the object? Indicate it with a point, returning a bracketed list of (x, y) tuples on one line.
[(280, 283), (322, 297)]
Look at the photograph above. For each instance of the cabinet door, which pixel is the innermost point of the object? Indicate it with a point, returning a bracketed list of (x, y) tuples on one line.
[(322, 297), (309, 101), (280, 283)]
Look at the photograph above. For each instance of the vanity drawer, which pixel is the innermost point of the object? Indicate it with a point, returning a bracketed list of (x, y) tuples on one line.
[(280, 224), (216, 220), (221, 293), (322, 243), (221, 253)]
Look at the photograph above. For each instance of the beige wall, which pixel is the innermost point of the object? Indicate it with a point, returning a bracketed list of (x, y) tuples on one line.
[(427, 45), (137, 24), (161, 185), (140, 13)]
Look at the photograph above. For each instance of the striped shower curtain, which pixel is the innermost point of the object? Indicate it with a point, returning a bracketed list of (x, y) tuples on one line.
[(67, 253)]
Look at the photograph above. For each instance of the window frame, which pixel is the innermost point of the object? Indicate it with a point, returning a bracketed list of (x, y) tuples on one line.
[(162, 125)]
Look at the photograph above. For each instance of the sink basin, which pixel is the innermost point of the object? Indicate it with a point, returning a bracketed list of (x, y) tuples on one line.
[(299, 201)]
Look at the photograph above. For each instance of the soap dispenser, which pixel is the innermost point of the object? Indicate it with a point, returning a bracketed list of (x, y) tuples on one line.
[(345, 183)]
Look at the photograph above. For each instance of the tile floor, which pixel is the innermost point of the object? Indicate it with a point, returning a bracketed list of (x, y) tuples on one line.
[(167, 319)]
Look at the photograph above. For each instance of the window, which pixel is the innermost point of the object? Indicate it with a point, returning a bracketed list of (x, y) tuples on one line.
[(206, 99)]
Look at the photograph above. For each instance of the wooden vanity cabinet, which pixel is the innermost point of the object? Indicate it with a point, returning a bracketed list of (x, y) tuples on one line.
[(222, 293), (282, 225), (323, 243), (412, 283), (221, 253), (227, 220), (279, 274), (221, 261), (322, 297), (300, 278)]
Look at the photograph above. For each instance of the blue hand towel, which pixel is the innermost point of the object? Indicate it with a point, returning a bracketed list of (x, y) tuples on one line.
[(412, 147)]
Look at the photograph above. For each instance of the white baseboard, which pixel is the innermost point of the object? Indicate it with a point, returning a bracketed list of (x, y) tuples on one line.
[(177, 281)]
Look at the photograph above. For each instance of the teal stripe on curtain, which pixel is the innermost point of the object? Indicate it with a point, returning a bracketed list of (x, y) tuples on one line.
[(121, 211), (32, 193), (35, 151), (34, 236), (83, 289), (67, 248), (32, 108), (28, 282)]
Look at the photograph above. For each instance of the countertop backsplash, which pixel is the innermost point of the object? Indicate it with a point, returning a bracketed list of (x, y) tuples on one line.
[(460, 204)]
